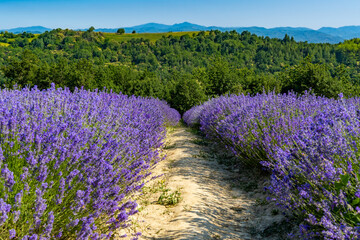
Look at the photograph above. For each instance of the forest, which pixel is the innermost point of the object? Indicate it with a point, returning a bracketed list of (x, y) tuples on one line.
[(183, 70)]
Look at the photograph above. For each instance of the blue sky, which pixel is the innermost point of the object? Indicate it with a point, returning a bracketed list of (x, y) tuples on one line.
[(123, 13)]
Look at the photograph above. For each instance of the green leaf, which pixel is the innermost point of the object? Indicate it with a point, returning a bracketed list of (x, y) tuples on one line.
[(345, 179), (338, 186), (355, 202)]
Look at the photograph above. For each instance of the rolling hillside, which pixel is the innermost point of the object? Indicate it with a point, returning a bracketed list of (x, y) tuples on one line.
[(322, 35)]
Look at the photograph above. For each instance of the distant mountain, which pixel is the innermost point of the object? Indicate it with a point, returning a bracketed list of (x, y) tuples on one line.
[(34, 29), (158, 28), (299, 34), (347, 32), (148, 28), (322, 35)]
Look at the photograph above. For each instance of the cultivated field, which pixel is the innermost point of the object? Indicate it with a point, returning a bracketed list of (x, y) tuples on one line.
[(71, 161), (309, 144)]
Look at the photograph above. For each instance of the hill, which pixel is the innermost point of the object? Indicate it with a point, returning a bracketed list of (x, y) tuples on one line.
[(33, 29), (322, 35), (184, 68), (347, 32), (299, 34)]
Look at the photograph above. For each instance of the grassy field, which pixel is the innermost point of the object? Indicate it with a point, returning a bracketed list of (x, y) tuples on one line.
[(151, 36), (4, 44)]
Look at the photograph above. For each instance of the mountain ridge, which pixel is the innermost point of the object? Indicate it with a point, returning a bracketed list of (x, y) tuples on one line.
[(31, 29), (321, 35)]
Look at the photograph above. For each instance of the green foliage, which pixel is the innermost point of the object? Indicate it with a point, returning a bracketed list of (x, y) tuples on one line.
[(182, 68), (317, 77), (91, 29), (169, 199), (187, 93), (352, 45), (220, 77), (23, 71), (120, 31)]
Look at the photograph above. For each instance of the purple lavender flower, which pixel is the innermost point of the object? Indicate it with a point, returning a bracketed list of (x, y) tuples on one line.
[(18, 198), (1, 156), (49, 224), (91, 148), (12, 234), (4, 210), (25, 174), (40, 207), (8, 176), (59, 234), (357, 193), (308, 143), (16, 216), (33, 237)]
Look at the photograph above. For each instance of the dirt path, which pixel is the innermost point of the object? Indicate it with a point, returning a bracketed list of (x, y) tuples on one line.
[(215, 202)]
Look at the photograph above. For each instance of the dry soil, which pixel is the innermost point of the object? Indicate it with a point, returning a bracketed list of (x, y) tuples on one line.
[(215, 201)]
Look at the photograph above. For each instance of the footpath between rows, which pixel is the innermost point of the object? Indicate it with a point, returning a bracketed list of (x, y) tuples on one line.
[(197, 197)]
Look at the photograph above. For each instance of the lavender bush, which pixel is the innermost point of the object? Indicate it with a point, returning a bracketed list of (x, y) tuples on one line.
[(70, 161), (311, 146)]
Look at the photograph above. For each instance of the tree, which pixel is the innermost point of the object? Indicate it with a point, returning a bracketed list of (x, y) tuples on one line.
[(286, 39), (188, 92), (38, 43), (81, 74), (220, 77), (23, 71), (133, 32), (120, 31), (307, 75), (91, 29)]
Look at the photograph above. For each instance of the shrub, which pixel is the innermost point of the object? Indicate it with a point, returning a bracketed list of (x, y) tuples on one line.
[(70, 161), (311, 146)]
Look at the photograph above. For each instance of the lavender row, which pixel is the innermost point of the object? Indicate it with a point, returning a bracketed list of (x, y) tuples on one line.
[(311, 146), (70, 161)]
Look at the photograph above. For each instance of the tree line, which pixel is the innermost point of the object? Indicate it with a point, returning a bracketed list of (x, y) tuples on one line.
[(183, 70)]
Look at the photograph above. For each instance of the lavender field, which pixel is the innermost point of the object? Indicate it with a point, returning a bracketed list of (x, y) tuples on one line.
[(309, 144), (71, 161)]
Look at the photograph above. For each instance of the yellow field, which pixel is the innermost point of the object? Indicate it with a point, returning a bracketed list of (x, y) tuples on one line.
[(151, 36), (4, 44)]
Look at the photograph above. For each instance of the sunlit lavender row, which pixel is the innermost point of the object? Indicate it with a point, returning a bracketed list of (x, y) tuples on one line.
[(310, 144), (70, 161)]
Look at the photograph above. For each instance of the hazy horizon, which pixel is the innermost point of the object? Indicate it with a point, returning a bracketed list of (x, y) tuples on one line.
[(228, 13), (178, 23)]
